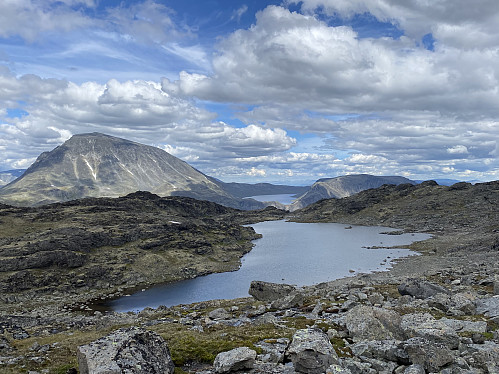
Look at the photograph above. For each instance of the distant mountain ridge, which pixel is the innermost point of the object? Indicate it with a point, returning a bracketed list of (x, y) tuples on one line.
[(8, 176), (98, 165), (344, 186)]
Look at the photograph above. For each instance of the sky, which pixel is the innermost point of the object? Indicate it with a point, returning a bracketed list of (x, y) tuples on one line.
[(259, 91)]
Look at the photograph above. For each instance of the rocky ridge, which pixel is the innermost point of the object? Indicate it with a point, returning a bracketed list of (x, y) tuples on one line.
[(343, 186)]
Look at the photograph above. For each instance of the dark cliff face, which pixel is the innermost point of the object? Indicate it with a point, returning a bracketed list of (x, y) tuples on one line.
[(98, 165), (344, 186)]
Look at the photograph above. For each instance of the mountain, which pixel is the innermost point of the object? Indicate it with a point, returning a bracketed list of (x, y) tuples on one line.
[(8, 176), (98, 165), (343, 186), (468, 213), (247, 189)]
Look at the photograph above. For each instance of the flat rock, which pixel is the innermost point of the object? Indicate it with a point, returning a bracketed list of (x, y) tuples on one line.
[(371, 323), (424, 325), (234, 360), (132, 350)]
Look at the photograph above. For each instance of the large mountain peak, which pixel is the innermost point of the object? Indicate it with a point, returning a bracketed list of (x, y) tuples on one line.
[(100, 165)]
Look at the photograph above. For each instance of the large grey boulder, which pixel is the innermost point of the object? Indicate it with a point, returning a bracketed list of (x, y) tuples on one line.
[(421, 289), (267, 291), (488, 306), (390, 350), (484, 356), (431, 356), (234, 360), (371, 323), (424, 325), (311, 351), (132, 351)]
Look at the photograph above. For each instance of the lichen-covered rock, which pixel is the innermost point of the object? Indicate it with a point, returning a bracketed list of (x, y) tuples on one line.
[(267, 291), (311, 351), (424, 325), (484, 356), (132, 351), (430, 355), (234, 360), (391, 350), (488, 306), (219, 313), (421, 289), (414, 369), (371, 323)]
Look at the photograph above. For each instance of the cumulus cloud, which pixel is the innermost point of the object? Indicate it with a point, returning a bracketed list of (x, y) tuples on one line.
[(27, 18), (301, 61), (144, 111)]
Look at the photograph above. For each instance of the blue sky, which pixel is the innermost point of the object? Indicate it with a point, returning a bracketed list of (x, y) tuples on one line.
[(260, 91)]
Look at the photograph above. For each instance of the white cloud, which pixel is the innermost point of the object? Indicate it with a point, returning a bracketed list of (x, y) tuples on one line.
[(458, 149), (27, 18), (254, 172)]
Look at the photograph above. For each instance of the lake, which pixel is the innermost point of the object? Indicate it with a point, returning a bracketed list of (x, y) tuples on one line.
[(292, 253)]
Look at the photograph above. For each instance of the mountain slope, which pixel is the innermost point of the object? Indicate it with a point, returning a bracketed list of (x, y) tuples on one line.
[(344, 186), (98, 165)]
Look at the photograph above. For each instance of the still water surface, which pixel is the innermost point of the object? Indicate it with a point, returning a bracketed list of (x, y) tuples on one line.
[(293, 253)]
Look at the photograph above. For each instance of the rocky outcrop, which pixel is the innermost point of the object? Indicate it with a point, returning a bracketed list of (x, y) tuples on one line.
[(236, 359), (421, 289), (133, 351), (311, 351), (344, 186), (267, 291)]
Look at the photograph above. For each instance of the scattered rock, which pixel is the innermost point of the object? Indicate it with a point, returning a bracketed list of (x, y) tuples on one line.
[(234, 360), (132, 350), (372, 323), (266, 291), (421, 289), (311, 351)]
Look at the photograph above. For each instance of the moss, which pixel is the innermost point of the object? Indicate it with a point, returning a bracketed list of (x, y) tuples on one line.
[(188, 346), (340, 347)]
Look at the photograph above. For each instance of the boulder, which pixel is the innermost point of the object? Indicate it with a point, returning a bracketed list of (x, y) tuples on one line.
[(390, 350), (484, 356), (266, 291), (131, 350), (414, 369), (371, 323), (311, 351), (219, 313), (431, 356), (488, 306), (424, 325), (234, 360), (421, 289)]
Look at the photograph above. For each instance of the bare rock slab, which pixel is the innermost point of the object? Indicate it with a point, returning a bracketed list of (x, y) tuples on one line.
[(421, 289), (131, 351), (311, 351), (236, 359), (267, 291)]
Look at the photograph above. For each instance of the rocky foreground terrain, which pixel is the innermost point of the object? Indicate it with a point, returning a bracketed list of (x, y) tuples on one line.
[(434, 313)]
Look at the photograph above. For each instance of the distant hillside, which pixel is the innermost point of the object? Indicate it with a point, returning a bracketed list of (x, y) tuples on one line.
[(461, 210), (246, 189), (8, 176), (344, 186), (98, 165)]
